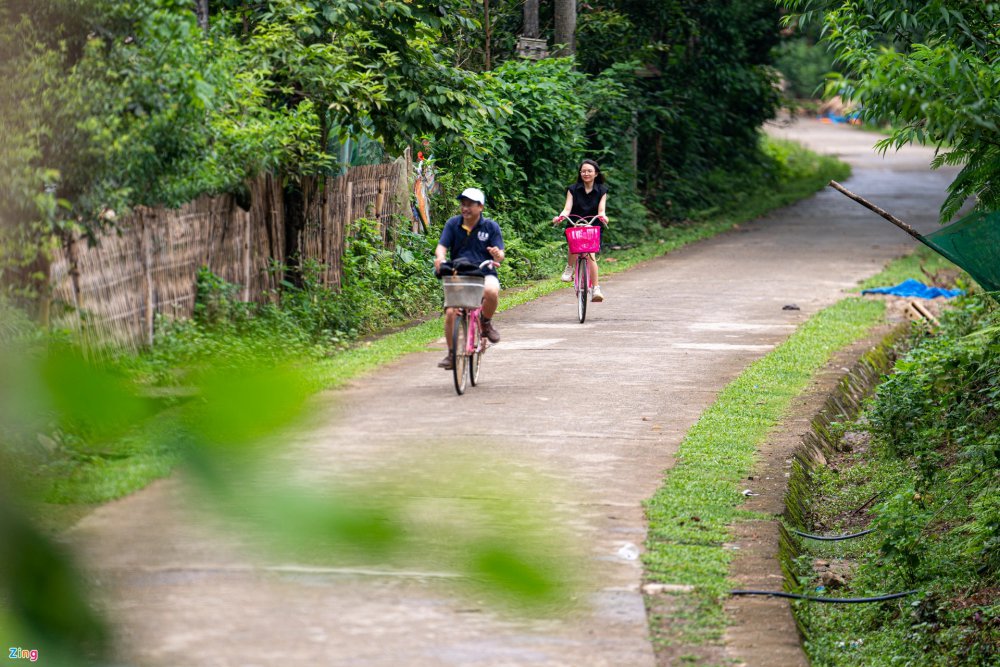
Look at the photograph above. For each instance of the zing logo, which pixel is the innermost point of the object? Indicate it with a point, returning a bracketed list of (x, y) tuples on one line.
[(484, 236), (18, 653)]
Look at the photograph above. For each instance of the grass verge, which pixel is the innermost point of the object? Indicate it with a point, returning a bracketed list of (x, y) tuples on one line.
[(690, 515)]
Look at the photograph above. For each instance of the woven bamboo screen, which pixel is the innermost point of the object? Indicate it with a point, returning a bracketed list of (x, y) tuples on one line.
[(379, 192), (115, 288)]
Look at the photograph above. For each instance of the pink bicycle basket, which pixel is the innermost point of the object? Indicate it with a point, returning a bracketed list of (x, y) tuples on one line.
[(584, 239)]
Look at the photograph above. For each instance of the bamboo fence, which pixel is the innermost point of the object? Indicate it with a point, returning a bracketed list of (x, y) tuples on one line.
[(113, 289)]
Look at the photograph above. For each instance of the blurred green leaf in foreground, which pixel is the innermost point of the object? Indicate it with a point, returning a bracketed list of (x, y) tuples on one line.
[(453, 511)]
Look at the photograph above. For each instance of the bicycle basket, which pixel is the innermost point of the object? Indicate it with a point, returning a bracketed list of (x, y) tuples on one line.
[(463, 291), (584, 239)]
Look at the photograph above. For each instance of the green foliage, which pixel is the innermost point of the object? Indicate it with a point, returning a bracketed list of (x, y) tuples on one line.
[(804, 66), (934, 465), (128, 103), (544, 118), (357, 67), (44, 591), (707, 87), (119, 104), (605, 39), (928, 68), (528, 139), (381, 286), (225, 433)]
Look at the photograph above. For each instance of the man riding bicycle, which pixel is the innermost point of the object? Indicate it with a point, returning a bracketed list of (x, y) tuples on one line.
[(475, 239)]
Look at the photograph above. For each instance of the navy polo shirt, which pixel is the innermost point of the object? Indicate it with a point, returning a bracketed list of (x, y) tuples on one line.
[(471, 245)]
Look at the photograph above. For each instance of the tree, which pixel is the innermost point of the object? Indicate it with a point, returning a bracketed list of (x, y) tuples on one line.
[(115, 107), (930, 69), (565, 19), (531, 18), (705, 86), (201, 11)]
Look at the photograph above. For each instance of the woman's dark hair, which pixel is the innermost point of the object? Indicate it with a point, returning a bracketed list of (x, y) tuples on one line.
[(598, 178)]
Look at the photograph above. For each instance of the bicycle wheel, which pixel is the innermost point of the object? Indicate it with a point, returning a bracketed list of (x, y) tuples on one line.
[(582, 287), (459, 340), (476, 358)]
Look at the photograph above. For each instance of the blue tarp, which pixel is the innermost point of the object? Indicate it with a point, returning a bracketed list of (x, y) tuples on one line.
[(914, 288)]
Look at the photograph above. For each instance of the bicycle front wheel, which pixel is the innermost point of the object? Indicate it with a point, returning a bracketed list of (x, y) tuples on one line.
[(582, 287), (459, 341)]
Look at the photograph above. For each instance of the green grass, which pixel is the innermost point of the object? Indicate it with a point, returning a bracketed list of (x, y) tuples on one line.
[(691, 514)]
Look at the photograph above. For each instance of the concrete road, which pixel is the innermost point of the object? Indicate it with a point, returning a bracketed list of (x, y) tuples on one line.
[(589, 416)]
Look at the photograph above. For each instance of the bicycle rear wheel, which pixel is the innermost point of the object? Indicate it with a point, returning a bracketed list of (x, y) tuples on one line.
[(459, 340), (582, 287), (476, 358)]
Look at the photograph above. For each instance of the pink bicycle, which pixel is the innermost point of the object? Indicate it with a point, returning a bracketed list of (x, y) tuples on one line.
[(468, 344), (584, 238)]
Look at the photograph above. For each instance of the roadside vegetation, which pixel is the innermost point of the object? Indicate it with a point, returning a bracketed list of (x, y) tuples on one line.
[(921, 467), (132, 103)]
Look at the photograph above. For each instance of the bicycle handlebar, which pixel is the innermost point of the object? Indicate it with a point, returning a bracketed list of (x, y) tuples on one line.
[(582, 221), (463, 266)]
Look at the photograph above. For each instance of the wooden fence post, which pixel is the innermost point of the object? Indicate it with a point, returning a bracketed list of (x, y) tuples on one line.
[(350, 204), (247, 230), (74, 275), (379, 207), (147, 274)]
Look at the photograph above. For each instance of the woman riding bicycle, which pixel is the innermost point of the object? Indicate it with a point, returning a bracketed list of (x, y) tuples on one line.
[(475, 238), (585, 198)]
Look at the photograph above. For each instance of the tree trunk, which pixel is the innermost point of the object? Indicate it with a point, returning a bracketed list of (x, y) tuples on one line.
[(531, 19), (201, 9), (565, 33), (486, 26)]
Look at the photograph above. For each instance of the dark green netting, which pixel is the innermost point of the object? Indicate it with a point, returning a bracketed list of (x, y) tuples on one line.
[(972, 243)]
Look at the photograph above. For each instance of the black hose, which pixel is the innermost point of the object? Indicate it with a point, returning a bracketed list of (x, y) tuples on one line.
[(833, 538), (796, 596)]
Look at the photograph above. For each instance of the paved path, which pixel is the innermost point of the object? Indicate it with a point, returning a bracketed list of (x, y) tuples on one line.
[(670, 336)]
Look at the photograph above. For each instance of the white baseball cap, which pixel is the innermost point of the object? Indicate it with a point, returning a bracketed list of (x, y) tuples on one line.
[(475, 194)]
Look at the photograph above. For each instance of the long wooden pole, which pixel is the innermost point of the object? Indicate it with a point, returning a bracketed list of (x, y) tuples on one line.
[(896, 221), (885, 214)]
